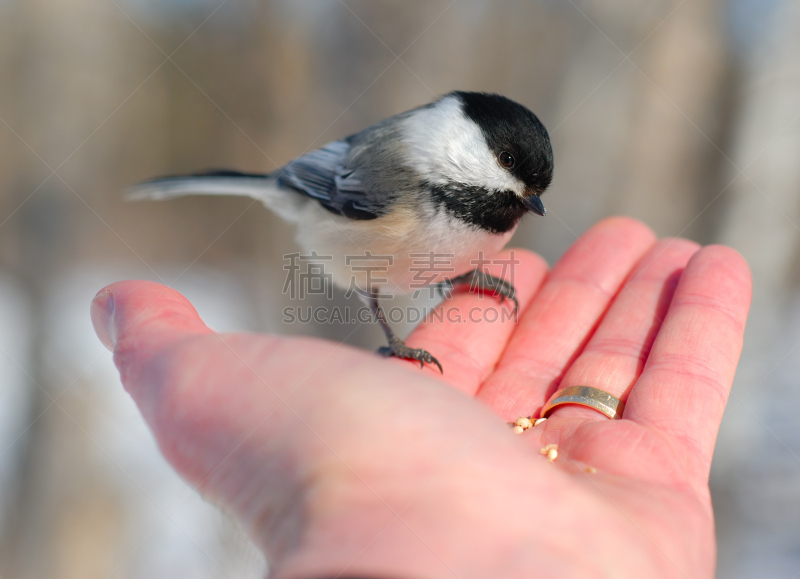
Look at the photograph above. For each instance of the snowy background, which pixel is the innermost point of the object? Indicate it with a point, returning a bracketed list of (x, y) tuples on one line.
[(683, 113)]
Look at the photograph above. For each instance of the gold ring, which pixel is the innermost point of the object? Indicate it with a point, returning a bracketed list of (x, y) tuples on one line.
[(595, 398)]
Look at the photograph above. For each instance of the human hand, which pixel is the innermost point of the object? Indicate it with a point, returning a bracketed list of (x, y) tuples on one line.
[(340, 463)]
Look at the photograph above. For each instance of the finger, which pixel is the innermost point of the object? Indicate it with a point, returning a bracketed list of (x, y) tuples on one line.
[(151, 314), (217, 403), (687, 378), (202, 394), (615, 355), (468, 332), (562, 316), (137, 320)]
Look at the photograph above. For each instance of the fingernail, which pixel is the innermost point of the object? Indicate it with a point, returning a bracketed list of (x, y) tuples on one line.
[(102, 311)]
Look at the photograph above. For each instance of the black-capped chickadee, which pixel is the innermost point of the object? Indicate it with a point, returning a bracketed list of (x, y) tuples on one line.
[(452, 178)]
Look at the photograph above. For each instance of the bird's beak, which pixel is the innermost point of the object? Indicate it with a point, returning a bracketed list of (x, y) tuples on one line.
[(534, 203)]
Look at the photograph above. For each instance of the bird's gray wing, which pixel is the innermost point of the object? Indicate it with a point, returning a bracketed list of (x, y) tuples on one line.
[(326, 176), (334, 176)]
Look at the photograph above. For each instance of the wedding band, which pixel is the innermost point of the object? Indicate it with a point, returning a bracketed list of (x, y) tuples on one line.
[(595, 398)]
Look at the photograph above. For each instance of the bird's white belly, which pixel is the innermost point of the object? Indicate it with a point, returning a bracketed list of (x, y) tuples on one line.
[(398, 253), (431, 259)]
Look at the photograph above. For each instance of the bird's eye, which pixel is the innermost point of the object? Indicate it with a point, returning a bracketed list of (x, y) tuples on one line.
[(506, 159)]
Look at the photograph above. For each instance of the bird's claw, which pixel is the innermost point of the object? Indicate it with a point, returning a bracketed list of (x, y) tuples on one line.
[(484, 282), (501, 288), (398, 349)]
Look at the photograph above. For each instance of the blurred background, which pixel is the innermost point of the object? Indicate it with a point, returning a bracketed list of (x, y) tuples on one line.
[(681, 113)]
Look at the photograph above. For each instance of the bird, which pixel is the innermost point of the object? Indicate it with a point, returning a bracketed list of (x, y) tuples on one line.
[(451, 178)]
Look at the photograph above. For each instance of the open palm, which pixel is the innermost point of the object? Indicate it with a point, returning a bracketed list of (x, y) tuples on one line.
[(340, 463)]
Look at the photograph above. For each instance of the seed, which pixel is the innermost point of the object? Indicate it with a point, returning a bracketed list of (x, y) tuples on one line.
[(552, 454), (518, 430), (590, 470), (538, 421), (548, 448), (523, 422)]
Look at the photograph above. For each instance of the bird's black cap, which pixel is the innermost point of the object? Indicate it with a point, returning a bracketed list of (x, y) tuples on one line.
[(509, 126)]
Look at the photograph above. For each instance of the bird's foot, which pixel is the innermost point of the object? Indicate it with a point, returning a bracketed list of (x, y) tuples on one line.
[(398, 349), (486, 283)]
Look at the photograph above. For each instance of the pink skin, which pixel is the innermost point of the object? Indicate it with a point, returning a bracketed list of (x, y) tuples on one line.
[(340, 462)]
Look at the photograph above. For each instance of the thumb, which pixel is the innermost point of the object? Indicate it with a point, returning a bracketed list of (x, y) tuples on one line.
[(139, 309), (137, 320)]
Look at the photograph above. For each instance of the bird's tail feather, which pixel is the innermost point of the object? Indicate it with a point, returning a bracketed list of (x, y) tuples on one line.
[(261, 187)]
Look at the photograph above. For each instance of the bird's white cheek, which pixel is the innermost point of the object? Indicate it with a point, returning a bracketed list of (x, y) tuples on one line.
[(444, 146)]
